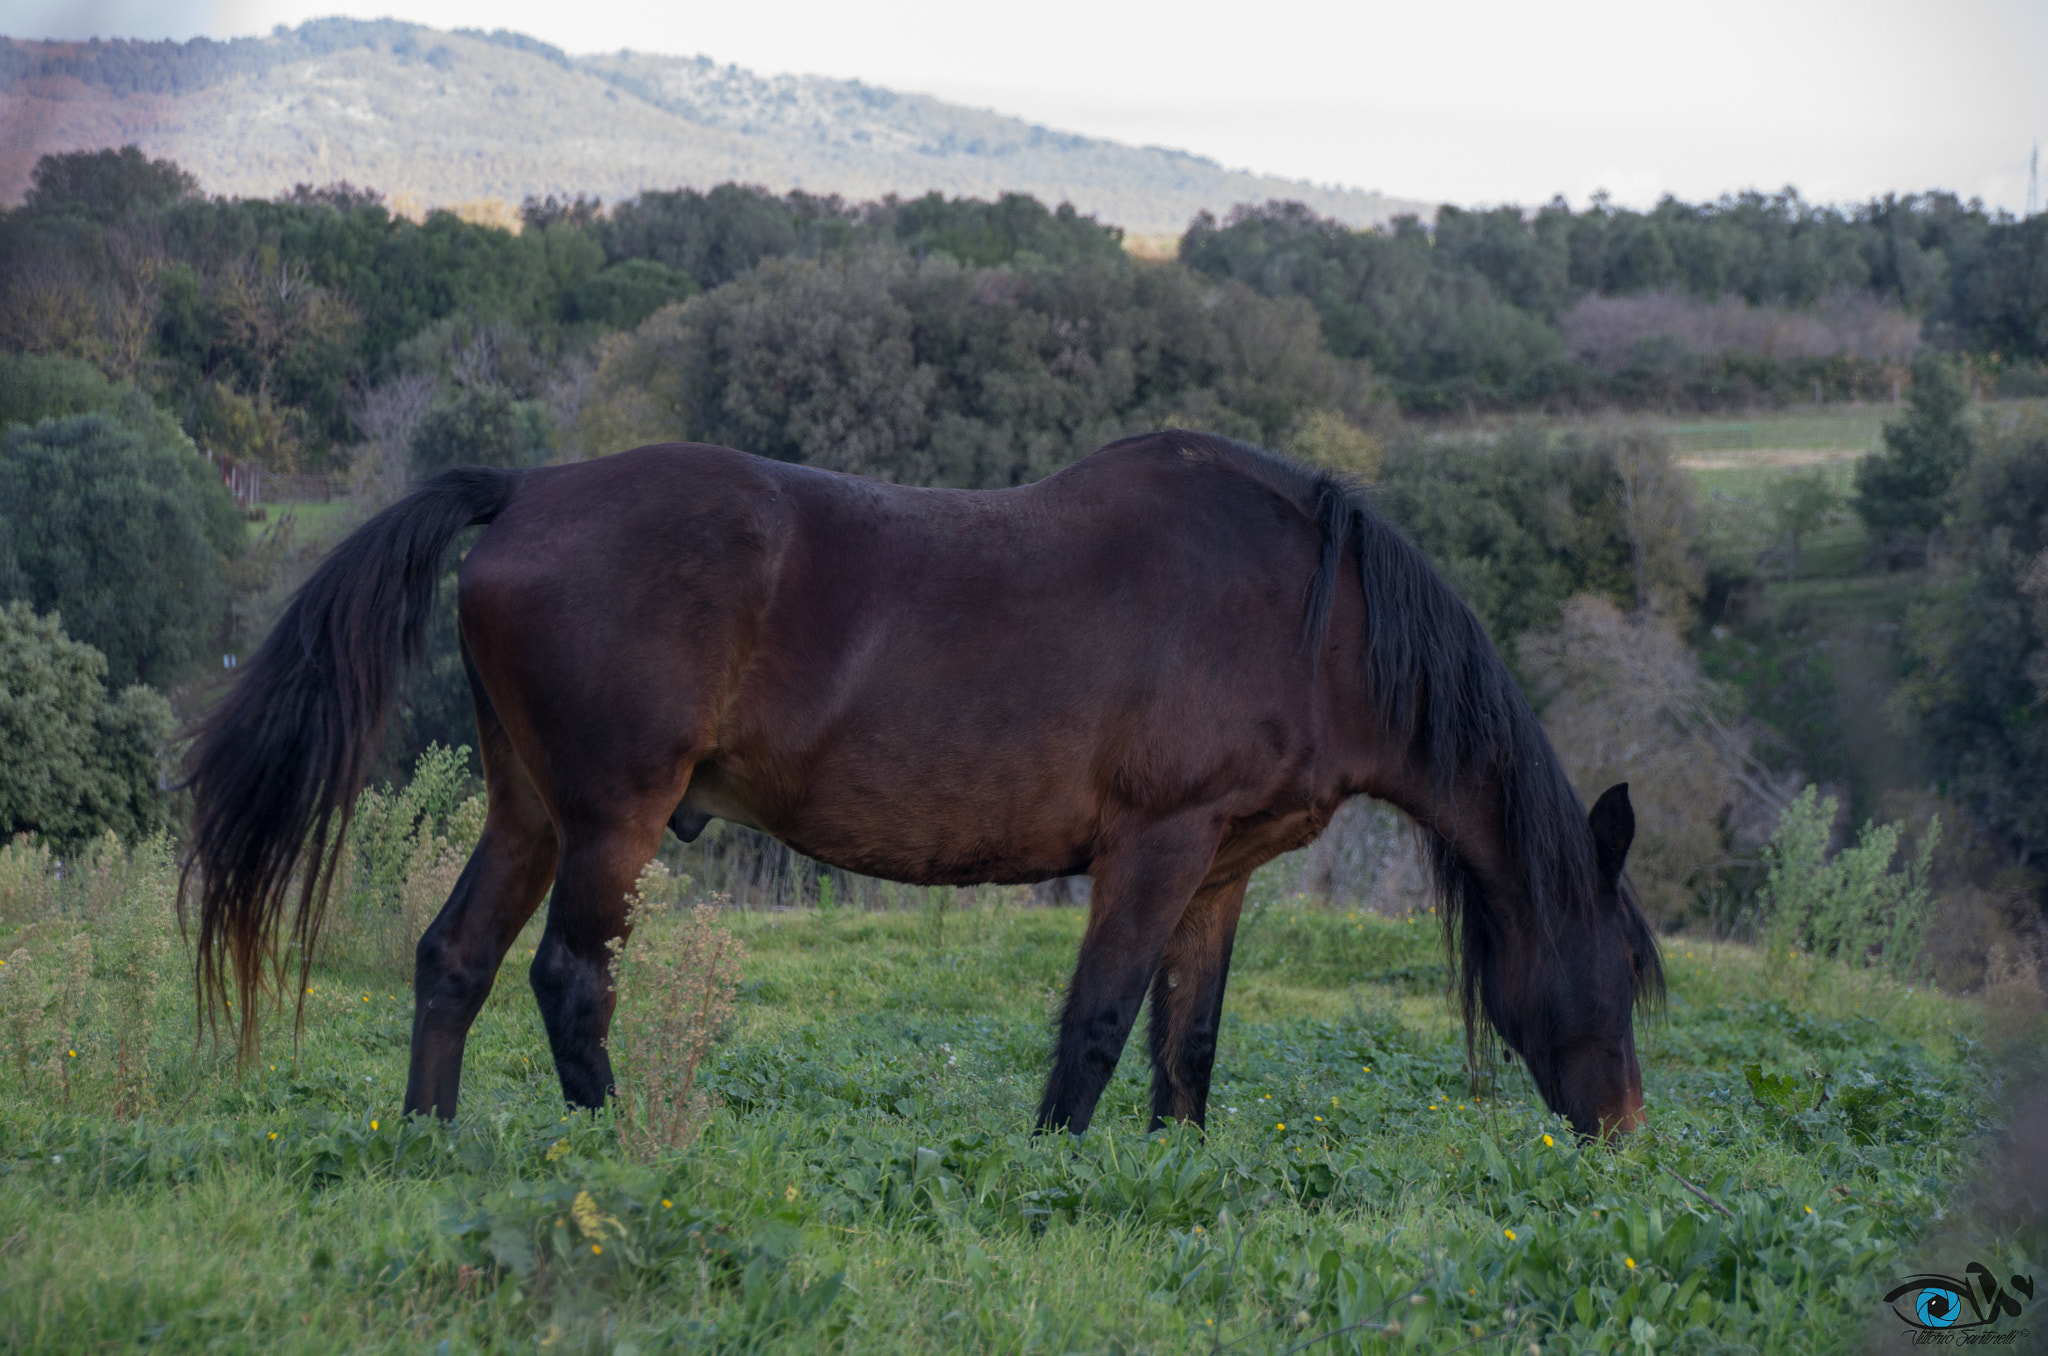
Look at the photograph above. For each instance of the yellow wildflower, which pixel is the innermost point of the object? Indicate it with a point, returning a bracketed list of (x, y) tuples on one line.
[(1510, 1233), (591, 1221)]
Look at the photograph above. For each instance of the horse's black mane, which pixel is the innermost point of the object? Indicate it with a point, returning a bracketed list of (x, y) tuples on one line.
[(1432, 671)]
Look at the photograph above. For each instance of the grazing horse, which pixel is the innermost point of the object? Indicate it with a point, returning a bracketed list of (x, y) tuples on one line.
[(1162, 667)]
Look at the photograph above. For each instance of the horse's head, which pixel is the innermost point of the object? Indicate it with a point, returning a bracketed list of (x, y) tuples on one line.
[(1567, 1003)]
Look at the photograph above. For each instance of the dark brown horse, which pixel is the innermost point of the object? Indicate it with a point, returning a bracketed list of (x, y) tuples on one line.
[(1163, 666)]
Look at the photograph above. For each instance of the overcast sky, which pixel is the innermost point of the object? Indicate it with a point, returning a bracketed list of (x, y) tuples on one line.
[(1469, 101)]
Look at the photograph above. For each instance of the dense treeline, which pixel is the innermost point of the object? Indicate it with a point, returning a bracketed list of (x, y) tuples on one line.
[(1503, 308), (256, 321)]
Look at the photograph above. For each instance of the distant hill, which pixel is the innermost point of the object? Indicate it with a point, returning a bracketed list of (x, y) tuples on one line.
[(443, 118)]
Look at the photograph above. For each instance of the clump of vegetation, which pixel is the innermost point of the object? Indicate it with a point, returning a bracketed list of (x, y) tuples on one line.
[(675, 982), (1904, 490), (125, 539), (79, 996), (1852, 907), (406, 848), (1976, 688), (78, 762)]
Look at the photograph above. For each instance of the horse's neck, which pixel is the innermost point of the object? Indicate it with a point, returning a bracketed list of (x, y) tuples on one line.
[(1464, 810)]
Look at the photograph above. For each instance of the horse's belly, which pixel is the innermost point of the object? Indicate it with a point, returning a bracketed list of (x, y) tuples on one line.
[(933, 829)]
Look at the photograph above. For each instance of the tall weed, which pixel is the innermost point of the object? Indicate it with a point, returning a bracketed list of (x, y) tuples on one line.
[(78, 994), (28, 881), (133, 941), (676, 981)]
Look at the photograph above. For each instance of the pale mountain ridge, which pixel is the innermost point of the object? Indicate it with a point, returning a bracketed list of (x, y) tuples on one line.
[(443, 118)]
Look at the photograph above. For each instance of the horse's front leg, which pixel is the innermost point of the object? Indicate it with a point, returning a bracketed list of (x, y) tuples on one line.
[(1142, 887)]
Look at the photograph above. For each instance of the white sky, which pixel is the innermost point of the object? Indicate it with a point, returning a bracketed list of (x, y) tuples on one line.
[(1469, 101)]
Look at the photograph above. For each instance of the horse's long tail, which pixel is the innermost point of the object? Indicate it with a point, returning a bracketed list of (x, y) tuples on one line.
[(275, 767)]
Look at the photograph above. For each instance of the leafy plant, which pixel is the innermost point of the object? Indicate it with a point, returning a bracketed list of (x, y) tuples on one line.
[(1852, 907), (407, 847), (79, 762)]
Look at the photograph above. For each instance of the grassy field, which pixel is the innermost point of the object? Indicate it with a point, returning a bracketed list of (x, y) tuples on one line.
[(311, 523), (868, 1184)]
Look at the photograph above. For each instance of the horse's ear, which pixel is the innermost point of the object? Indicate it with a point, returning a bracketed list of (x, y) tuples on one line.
[(1614, 828)]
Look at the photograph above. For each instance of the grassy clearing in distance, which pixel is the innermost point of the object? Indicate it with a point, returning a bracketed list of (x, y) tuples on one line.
[(312, 523), (870, 1185)]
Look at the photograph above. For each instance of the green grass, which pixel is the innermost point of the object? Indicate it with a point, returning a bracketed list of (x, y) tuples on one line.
[(869, 1184), (1826, 427), (312, 523)]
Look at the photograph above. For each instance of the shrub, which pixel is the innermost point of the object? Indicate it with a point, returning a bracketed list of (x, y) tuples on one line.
[(483, 426), (627, 293), (406, 848), (77, 764), (675, 984), (1852, 907), (1328, 439), (1520, 522), (122, 537)]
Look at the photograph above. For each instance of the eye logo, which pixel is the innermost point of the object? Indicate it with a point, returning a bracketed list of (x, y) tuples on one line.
[(1937, 1307), (1935, 1303)]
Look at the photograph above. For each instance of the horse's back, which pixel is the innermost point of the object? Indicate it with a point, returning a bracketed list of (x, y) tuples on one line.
[(921, 683)]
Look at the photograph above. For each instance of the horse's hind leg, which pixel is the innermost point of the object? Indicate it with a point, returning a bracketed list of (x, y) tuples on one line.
[(458, 955), (1141, 891), (1187, 1002), (601, 861)]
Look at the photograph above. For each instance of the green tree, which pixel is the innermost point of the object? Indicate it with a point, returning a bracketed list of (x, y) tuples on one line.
[(625, 294), (106, 185), (125, 539), (1978, 643), (77, 764), (1521, 522), (1799, 504), (482, 426), (926, 372), (1904, 489)]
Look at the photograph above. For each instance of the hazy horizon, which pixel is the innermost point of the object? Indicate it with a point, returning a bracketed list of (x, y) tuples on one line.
[(1485, 103)]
